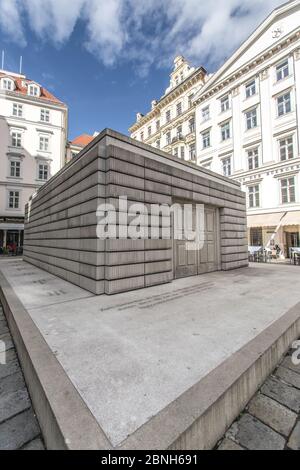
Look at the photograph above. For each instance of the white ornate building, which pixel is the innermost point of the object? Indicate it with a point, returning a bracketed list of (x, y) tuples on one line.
[(33, 127), (248, 126), (170, 125)]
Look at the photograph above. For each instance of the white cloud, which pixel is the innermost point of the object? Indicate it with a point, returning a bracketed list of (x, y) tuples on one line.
[(142, 32)]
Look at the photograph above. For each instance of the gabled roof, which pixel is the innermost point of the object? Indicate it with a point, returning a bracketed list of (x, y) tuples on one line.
[(21, 87), (277, 12), (82, 140)]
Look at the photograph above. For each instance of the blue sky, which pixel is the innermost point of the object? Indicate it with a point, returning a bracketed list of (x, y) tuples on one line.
[(108, 59)]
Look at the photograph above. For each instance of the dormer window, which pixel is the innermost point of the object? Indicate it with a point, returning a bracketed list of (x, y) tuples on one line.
[(33, 90), (7, 84)]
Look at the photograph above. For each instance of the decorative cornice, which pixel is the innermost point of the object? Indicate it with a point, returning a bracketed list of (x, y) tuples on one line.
[(251, 66), (196, 77)]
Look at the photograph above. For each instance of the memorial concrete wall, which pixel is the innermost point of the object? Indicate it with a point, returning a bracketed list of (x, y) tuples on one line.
[(61, 221)]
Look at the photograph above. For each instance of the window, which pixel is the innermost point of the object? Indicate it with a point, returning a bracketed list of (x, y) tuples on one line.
[(17, 110), (157, 125), (45, 115), (256, 237), (224, 103), (253, 194), (284, 104), (225, 131), (33, 90), (168, 137), (286, 148), (282, 70), (182, 153), (190, 100), (288, 193), (176, 152), (192, 124), (43, 172), (206, 139), (149, 131), (16, 139), (250, 89), (142, 136), (168, 115), (13, 199), (179, 108), (44, 143), (226, 166), (181, 76), (252, 159), (158, 144), (15, 169), (251, 119), (205, 113), (179, 132), (192, 152), (7, 84)]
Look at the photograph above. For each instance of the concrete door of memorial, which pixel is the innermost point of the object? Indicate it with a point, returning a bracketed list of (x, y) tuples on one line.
[(205, 260)]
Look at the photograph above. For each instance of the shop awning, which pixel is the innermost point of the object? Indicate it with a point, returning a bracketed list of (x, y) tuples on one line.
[(11, 226), (265, 220), (292, 218)]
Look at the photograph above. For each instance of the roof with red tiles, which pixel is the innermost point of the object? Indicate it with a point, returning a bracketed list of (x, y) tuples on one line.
[(21, 87), (82, 140)]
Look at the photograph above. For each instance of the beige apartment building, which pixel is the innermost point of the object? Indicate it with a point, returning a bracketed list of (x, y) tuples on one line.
[(170, 125)]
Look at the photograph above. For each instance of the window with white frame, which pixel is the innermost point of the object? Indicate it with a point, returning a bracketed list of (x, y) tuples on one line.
[(168, 138), (225, 131), (251, 119), (157, 125), (182, 152), (13, 199), (168, 115), (190, 100), (7, 84), (192, 152), (226, 166), (16, 139), (282, 70), (253, 196), (43, 171), (179, 108), (17, 110), (44, 144), (250, 89), (286, 148), (252, 157), (45, 115), (158, 144), (179, 132), (33, 90), (284, 104), (149, 131), (205, 113), (288, 190), (176, 152), (15, 168), (205, 139), (192, 124), (224, 103)]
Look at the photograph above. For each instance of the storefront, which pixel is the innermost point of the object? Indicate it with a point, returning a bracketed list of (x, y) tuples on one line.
[(280, 228), (11, 235)]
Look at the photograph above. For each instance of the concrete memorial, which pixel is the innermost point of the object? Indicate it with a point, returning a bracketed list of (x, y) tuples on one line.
[(122, 186)]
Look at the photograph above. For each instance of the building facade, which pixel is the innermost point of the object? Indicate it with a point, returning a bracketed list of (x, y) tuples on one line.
[(248, 125), (170, 125), (33, 128), (75, 146)]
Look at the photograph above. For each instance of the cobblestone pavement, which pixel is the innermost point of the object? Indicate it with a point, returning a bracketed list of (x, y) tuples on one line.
[(271, 420), (19, 428)]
